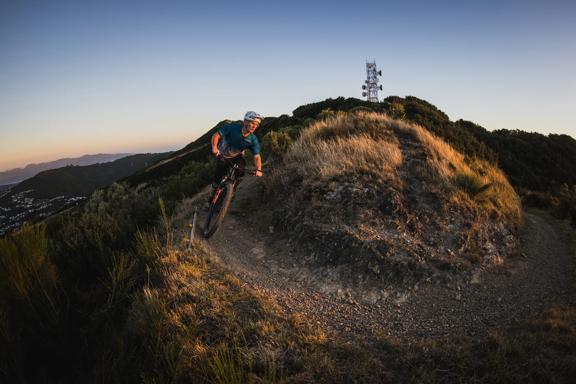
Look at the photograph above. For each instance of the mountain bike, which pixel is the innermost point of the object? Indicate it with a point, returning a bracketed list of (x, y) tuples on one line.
[(221, 199)]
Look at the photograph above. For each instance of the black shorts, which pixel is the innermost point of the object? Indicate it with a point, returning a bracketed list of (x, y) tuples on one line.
[(223, 166)]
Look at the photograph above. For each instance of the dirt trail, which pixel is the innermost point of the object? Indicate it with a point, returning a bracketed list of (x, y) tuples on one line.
[(541, 278)]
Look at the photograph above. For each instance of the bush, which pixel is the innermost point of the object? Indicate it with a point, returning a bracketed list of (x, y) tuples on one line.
[(65, 291), (275, 144), (542, 200), (191, 178), (293, 131), (397, 110), (30, 305)]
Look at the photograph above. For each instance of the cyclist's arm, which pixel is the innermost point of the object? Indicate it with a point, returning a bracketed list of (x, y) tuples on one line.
[(214, 141), (258, 161)]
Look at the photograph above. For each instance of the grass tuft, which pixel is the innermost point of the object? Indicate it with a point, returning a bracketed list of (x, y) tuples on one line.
[(226, 366), (470, 183)]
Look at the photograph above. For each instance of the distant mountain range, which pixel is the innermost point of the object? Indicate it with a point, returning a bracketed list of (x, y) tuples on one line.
[(17, 175), (53, 190), (76, 180)]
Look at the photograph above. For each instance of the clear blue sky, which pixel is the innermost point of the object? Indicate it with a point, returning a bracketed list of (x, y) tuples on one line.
[(81, 77)]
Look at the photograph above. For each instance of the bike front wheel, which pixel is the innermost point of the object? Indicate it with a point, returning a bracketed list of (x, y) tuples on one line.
[(218, 209)]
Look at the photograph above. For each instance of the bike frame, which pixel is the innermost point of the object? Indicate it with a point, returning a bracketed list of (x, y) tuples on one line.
[(229, 182), (231, 175)]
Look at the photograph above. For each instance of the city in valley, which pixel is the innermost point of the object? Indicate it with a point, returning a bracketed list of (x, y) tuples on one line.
[(19, 207)]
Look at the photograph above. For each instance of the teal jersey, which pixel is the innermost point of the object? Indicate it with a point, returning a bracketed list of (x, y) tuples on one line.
[(233, 143)]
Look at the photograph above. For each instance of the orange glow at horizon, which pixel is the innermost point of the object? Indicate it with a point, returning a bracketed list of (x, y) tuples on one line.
[(39, 152)]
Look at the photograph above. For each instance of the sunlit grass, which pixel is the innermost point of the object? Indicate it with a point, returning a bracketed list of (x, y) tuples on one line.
[(345, 144)]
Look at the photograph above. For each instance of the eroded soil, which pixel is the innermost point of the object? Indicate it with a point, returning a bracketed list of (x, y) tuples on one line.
[(468, 304)]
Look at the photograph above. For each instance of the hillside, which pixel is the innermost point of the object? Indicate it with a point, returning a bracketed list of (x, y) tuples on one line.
[(529, 159), (339, 233), (17, 175), (384, 199), (75, 180), (50, 191), (371, 251)]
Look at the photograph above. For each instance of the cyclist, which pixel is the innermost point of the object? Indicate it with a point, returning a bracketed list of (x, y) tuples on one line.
[(229, 143)]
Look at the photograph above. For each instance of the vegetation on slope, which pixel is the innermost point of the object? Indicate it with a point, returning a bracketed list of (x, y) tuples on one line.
[(388, 199), (68, 285), (108, 293), (123, 305), (104, 293), (541, 168)]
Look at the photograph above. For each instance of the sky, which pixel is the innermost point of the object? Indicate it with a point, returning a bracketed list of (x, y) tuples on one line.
[(82, 77)]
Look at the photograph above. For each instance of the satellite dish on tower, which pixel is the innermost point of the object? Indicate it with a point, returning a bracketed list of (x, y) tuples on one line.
[(371, 82)]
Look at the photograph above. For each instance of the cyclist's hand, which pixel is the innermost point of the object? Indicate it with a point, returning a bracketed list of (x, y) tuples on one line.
[(216, 152), (258, 173)]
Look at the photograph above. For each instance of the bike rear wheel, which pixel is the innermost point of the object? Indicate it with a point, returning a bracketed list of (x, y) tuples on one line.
[(218, 210)]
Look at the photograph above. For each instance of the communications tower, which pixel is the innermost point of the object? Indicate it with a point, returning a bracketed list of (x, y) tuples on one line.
[(371, 87)]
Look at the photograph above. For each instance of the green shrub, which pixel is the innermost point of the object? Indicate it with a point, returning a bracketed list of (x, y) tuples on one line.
[(293, 131), (191, 178), (397, 110), (275, 144)]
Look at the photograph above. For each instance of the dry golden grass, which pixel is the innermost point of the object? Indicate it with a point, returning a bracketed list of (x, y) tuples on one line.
[(443, 159), (494, 192), (369, 178), (204, 324), (344, 144), (371, 143)]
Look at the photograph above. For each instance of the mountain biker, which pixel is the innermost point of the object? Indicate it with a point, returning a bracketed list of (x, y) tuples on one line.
[(229, 143)]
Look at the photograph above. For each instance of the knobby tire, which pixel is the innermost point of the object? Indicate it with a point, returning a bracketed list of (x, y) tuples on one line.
[(216, 216)]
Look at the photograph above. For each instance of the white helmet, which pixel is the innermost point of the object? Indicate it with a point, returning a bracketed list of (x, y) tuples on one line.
[(252, 116)]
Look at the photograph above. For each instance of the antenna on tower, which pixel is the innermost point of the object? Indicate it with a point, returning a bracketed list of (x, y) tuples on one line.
[(371, 87)]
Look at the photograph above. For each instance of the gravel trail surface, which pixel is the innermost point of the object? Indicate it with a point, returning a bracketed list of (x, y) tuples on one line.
[(465, 306)]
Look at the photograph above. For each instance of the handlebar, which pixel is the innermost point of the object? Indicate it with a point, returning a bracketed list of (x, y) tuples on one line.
[(251, 172)]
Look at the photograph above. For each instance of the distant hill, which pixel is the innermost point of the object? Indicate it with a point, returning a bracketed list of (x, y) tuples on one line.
[(6, 187), (19, 174), (51, 191), (74, 180)]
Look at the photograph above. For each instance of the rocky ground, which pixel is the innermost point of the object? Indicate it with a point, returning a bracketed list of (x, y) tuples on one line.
[(465, 304)]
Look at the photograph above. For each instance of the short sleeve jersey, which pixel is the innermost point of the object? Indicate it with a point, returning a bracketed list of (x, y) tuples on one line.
[(233, 143)]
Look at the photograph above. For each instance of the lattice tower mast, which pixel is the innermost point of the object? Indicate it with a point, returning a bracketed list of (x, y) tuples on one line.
[(371, 87)]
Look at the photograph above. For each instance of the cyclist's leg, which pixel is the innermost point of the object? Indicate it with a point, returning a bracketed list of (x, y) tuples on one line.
[(220, 169), (241, 162)]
